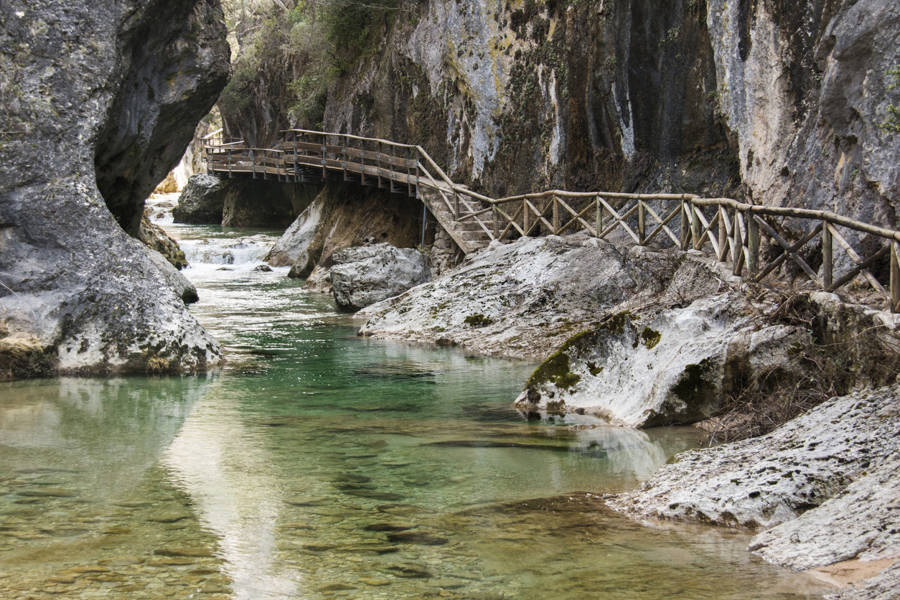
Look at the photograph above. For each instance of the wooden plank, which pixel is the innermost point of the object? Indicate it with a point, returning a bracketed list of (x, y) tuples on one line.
[(577, 217), (861, 267), (737, 245), (540, 217), (642, 225), (752, 245), (618, 221), (705, 228), (599, 219), (724, 232), (696, 237), (685, 224), (554, 204), (525, 211), (511, 222)]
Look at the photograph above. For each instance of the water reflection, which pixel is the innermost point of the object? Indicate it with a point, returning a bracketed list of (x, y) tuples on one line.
[(109, 431), (225, 469)]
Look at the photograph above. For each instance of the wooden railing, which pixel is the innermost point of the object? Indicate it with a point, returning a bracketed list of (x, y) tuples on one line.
[(752, 238)]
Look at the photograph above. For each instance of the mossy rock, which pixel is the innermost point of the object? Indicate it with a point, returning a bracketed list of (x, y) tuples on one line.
[(557, 368), (650, 338), (478, 320)]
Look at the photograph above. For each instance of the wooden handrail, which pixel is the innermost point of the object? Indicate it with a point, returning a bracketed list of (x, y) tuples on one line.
[(733, 232)]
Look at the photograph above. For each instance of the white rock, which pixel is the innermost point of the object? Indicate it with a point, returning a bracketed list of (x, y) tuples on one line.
[(364, 275)]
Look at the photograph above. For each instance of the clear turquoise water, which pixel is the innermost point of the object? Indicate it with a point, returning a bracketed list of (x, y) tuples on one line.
[(320, 465)]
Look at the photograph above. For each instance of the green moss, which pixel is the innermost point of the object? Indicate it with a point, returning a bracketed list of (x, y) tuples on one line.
[(478, 320), (554, 370), (556, 407), (691, 387), (650, 338), (593, 369)]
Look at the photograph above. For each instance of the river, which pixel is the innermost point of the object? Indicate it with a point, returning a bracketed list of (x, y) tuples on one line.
[(320, 465)]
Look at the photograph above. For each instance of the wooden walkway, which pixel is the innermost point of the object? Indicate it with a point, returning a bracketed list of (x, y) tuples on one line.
[(753, 239)]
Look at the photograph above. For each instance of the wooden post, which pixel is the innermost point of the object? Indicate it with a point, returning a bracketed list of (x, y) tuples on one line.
[(253, 163), (599, 220), (525, 217), (696, 235), (344, 158), (723, 234), (895, 276), (555, 209), (641, 223), (362, 163), (324, 157), (496, 217), (379, 167), (737, 248), (752, 243), (296, 169), (685, 239), (827, 257), (230, 163)]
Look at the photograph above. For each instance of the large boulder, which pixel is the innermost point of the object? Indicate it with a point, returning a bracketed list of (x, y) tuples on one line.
[(97, 97), (364, 275), (201, 202), (637, 371), (526, 298), (663, 364), (180, 284), (244, 202)]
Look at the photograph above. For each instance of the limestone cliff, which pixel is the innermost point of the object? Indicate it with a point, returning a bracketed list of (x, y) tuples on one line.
[(97, 103), (784, 103)]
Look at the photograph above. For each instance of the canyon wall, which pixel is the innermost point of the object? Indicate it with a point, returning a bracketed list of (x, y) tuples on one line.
[(778, 103)]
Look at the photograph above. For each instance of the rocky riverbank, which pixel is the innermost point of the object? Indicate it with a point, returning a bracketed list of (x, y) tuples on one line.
[(822, 489), (642, 337)]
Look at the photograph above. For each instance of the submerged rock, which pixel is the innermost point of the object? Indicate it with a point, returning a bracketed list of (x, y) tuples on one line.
[(834, 467), (364, 275)]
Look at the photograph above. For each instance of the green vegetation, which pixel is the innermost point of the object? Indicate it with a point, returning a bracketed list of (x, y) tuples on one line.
[(478, 320), (892, 123), (291, 51), (555, 370)]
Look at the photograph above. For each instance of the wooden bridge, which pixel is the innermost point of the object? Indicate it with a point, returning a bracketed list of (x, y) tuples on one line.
[(753, 239)]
